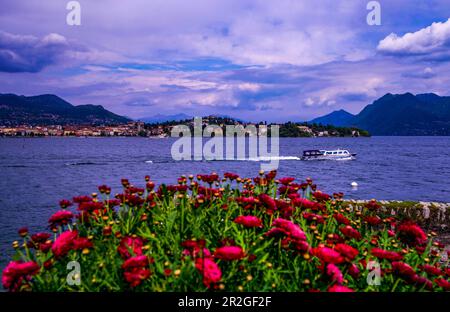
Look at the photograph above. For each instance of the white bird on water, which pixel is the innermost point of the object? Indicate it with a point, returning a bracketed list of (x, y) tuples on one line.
[(354, 185)]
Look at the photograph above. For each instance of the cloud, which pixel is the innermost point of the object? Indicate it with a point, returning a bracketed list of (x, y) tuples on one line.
[(431, 39), (426, 73), (21, 53)]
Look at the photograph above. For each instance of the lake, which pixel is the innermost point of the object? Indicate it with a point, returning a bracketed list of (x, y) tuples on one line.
[(38, 172)]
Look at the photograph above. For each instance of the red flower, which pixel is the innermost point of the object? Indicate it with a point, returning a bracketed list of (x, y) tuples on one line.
[(350, 232), (353, 271), (340, 218), (247, 202), (411, 234), (136, 270), (40, 237), (284, 189), (348, 252), (373, 220), (443, 283), (61, 217), (64, 243), (327, 255), (135, 262), (230, 176), (403, 270), (91, 207), (421, 281), (432, 270), (64, 203), (17, 272), (229, 253), (338, 288), (80, 243), (286, 180), (293, 230), (385, 254), (45, 247), (321, 196), (312, 217), (23, 231), (136, 276), (249, 221), (209, 269), (104, 189), (82, 199), (373, 205), (130, 246), (303, 203), (167, 272), (268, 202), (334, 273)]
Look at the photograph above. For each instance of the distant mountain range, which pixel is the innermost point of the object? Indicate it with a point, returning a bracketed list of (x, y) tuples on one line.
[(159, 118), (398, 114), (339, 118), (392, 114), (50, 109)]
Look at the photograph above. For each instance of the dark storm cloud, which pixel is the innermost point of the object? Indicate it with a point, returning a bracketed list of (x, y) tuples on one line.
[(22, 53)]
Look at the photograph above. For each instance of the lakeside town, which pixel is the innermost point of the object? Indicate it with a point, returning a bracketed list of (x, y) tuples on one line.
[(163, 129)]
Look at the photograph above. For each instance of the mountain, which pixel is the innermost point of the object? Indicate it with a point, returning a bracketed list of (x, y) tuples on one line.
[(159, 118), (49, 109), (338, 118), (406, 114), (399, 114)]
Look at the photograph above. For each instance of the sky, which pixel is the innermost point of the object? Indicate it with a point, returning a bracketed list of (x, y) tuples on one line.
[(284, 60)]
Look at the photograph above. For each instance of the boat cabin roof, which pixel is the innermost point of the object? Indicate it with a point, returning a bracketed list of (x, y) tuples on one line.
[(312, 152)]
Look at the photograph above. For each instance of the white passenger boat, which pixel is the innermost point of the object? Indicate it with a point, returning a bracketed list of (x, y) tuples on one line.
[(338, 154)]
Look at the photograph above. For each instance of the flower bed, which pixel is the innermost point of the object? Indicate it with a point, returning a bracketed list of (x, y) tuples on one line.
[(226, 234)]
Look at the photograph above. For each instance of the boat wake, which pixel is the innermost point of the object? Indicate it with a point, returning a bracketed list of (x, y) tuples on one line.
[(269, 158)]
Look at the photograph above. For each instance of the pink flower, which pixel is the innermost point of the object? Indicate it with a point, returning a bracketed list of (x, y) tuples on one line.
[(249, 221), (334, 273), (346, 251), (338, 288), (130, 245), (210, 271), (229, 253), (293, 230), (64, 243), (327, 255), (385, 254), (17, 272), (353, 271)]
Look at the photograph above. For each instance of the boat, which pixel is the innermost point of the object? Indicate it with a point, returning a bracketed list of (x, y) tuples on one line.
[(339, 154)]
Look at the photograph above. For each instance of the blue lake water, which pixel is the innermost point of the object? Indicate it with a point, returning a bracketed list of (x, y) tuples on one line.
[(36, 173)]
